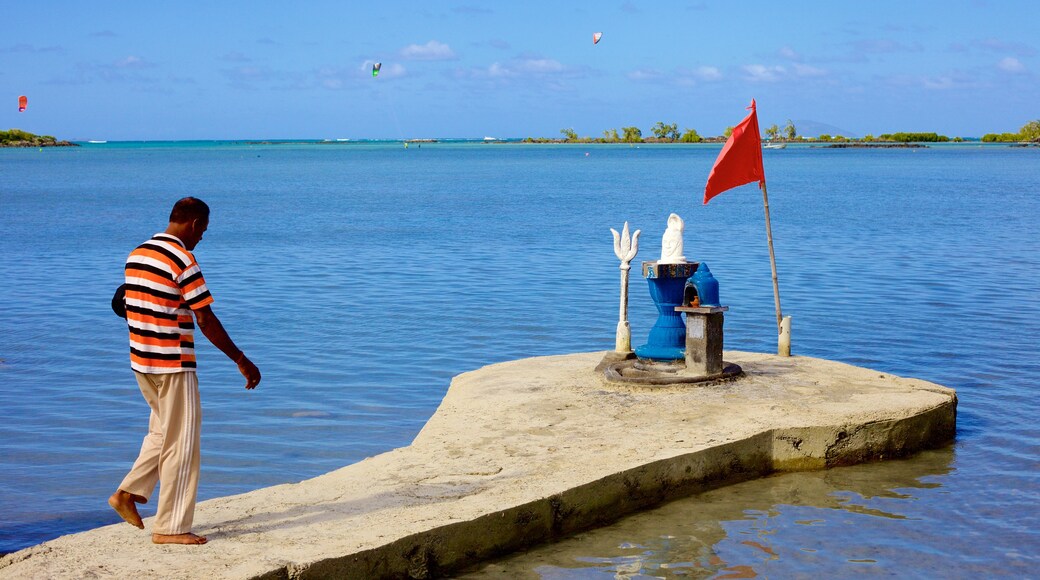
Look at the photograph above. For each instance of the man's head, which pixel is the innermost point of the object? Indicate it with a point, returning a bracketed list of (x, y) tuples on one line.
[(189, 220)]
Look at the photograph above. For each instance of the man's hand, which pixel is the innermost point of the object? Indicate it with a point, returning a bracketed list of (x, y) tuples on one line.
[(249, 371), (214, 331)]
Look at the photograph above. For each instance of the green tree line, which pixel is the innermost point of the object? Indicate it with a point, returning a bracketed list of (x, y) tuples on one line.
[(1029, 132), (19, 136), (913, 137), (662, 133), (669, 133)]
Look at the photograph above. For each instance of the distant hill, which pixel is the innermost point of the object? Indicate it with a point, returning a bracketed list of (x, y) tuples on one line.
[(19, 138), (815, 129)]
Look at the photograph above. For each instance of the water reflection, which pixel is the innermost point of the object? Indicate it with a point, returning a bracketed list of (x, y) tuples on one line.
[(779, 526)]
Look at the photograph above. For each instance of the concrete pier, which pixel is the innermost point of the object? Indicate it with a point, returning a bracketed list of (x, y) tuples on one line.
[(525, 452)]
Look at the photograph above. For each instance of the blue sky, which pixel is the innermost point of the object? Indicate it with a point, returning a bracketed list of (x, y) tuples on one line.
[(251, 70)]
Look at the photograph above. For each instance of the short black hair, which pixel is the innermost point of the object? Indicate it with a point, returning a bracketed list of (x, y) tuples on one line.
[(189, 209)]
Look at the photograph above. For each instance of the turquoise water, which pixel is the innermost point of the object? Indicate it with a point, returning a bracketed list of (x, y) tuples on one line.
[(362, 277)]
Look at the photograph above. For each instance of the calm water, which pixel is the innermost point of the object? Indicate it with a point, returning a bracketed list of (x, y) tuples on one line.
[(362, 277)]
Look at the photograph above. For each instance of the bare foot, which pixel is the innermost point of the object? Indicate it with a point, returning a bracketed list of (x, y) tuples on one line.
[(187, 539), (125, 504)]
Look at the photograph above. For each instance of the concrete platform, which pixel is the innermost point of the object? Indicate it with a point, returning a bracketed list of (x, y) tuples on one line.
[(524, 452)]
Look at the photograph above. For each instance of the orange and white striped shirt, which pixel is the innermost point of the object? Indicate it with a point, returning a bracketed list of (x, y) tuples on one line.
[(163, 285)]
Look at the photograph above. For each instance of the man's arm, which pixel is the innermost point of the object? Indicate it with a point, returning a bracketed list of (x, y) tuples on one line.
[(214, 331)]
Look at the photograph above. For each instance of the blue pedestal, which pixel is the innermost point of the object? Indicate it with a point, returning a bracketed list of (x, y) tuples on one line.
[(667, 340), (707, 286)]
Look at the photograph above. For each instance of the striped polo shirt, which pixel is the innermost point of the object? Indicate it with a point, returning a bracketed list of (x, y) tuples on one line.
[(163, 285)]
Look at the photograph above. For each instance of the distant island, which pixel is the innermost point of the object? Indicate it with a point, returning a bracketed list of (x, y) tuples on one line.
[(1029, 134), (775, 136), (19, 138), (872, 145)]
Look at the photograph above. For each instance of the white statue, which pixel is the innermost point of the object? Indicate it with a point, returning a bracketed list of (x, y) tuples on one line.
[(672, 242), (625, 248)]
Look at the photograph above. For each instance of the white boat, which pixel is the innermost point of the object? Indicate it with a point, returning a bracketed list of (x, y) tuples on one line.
[(490, 139), (774, 145), (97, 141)]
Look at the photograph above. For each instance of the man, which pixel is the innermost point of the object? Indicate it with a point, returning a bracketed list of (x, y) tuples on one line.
[(164, 288)]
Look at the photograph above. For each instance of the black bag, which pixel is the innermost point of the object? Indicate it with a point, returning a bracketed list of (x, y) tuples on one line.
[(119, 301)]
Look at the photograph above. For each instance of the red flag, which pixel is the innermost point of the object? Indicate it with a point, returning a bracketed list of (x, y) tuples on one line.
[(740, 160)]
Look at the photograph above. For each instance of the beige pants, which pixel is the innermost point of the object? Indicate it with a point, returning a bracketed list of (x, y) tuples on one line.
[(170, 452)]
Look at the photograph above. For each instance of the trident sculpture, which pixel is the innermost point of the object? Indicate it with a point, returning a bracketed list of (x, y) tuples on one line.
[(625, 249)]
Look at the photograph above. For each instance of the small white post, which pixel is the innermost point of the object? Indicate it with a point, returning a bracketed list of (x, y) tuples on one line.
[(784, 341), (625, 248)]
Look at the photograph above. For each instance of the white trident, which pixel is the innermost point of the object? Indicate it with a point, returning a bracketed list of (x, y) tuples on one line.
[(625, 249)]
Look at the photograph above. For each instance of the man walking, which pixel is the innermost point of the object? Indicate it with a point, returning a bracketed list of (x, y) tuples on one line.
[(164, 288)]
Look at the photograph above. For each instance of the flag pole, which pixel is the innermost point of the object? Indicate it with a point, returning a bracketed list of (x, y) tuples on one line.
[(772, 257), (740, 162)]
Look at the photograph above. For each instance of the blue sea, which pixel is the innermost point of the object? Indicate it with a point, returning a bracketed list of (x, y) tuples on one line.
[(361, 277)]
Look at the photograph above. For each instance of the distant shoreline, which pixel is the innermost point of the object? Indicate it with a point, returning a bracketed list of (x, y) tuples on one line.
[(797, 144), (41, 143), (870, 146), (19, 138)]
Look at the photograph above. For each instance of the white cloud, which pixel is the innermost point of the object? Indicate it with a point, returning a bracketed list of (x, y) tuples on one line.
[(644, 74), (539, 65), (432, 50), (763, 73), (523, 67), (760, 73), (804, 70), (939, 83), (244, 74), (682, 76), (953, 80), (798, 66), (132, 62), (393, 71), (251, 76), (1011, 64), (708, 73), (497, 70)]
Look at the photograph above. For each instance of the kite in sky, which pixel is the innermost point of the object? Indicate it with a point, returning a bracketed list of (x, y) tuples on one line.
[(596, 36), (23, 103), (375, 68)]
